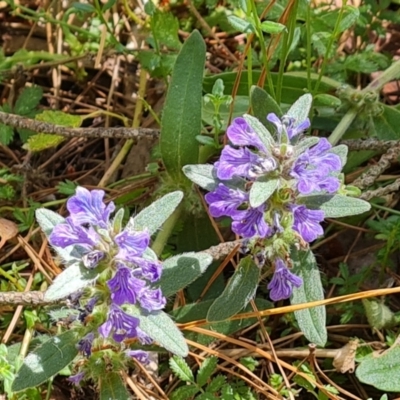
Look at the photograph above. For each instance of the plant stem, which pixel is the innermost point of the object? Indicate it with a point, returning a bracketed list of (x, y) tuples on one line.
[(166, 230), (342, 127)]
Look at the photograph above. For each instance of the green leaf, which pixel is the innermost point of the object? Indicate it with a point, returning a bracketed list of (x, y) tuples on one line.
[(42, 141), (6, 134), (381, 371), (153, 216), (379, 315), (312, 321), (300, 109), (263, 104), (240, 24), (206, 370), (71, 280), (28, 100), (160, 327), (112, 387), (216, 384), (165, 28), (272, 27), (293, 84), (262, 190), (202, 175), (46, 361), (181, 369), (181, 270), (386, 124), (181, 119), (262, 132), (238, 292), (88, 8), (341, 151), (335, 206), (184, 393), (57, 117)]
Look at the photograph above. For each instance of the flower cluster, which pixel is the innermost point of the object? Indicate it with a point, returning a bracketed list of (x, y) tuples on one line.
[(122, 254), (301, 167)]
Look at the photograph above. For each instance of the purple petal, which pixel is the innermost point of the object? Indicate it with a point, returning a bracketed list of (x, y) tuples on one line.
[(88, 207), (281, 285), (306, 222), (85, 344), (152, 299), (252, 224), (92, 259), (140, 355), (76, 379), (240, 134), (132, 242)]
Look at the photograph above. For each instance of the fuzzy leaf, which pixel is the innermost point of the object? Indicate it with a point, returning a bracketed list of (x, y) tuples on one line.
[(262, 190), (312, 321), (184, 393), (160, 327), (181, 369), (272, 27), (71, 280), (335, 206), (153, 216), (6, 134), (112, 387), (262, 132), (263, 104), (216, 383), (28, 100), (206, 370), (300, 109), (202, 175), (379, 315), (181, 270), (165, 27), (57, 117), (341, 151), (238, 292), (240, 24), (42, 141), (381, 371), (46, 361), (181, 119), (47, 220)]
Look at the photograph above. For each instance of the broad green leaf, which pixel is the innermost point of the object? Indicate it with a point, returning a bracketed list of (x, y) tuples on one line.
[(57, 117), (181, 369), (262, 190), (42, 141), (263, 104), (381, 371), (46, 361), (300, 109), (335, 206), (202, 175), (153, 216), (181, 119), (379, 315), (198, 311), (342, 152), (241, 24), (184, 392), (240, 289), (28, 100), (160, 327), (71, 280), (216, 383), (111, 386), (206, 369), (293, 84), (47, 220), (327, 100), (272, 27), (262, 132), (6, 134), (386, 124), (165, 29), (312, 321), (181, 270)]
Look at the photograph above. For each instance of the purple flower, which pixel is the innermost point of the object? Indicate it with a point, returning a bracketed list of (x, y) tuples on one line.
[(120, 324), (92, 259), (288, 123), (281, 285), (306, 222), (251, 223), (124, 287), (148, 269), (140, 355), (132, 243), (143, 337), (76, 379), (241, 134), (85, 344), (152, 299), (68, 233), (226, 201), (87, 207), (312, 169)]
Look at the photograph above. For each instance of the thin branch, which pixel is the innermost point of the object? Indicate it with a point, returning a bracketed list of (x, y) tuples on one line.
[(17, 121)]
